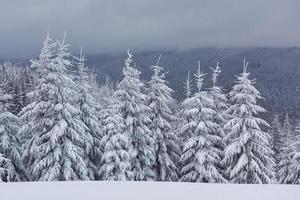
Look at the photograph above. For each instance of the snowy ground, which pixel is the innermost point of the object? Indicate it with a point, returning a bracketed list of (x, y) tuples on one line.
[(145, 191)]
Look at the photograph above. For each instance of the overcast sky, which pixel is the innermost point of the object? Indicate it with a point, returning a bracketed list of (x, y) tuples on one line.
[(106, 26)]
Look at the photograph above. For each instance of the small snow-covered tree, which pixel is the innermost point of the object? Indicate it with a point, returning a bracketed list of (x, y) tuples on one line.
[(285, 151), (200, 156), (278, 143), (59, 139), (9, 143), (167, 149), (278, 138), (5, 164), (248, 156), (134, 112), (293, 176), (115, 162)]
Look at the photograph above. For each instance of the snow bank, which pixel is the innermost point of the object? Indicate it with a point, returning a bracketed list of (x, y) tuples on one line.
[(145, 191)]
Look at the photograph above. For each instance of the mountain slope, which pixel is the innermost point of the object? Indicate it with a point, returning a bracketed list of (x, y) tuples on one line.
[(276, 70)]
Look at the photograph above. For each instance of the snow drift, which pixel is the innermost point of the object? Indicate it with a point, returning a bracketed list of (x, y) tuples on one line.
[(145, 191)]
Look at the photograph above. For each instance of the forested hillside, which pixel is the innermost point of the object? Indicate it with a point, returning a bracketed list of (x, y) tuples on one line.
[(58, 123), (277, 71)]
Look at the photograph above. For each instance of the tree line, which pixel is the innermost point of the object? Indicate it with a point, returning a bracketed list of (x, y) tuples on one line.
[(58, 124)]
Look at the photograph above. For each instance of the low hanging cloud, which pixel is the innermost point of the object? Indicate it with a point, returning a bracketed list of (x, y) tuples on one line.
[(112, 26)]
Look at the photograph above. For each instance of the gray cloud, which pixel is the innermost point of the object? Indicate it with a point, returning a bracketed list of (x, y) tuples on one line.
[(115, 25)]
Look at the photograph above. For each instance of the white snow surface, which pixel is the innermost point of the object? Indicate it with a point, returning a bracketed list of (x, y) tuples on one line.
[(145, 191)]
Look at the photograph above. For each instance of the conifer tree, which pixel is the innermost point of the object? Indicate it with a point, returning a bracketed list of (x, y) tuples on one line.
[(5, 164), (134, 112), (56, 149), (10, 145), (220, 106), (278, 143), (200, 156), (293, 176), (115, 162), (167, 149), (185, 129), (286, 151), (248, 156), (87, 106)]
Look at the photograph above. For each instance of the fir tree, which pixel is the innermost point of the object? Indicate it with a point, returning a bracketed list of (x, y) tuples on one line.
[(134, 112), (167, 149), (220, 118), (248, 157), (200, 156), (278, 143), (188, 85), (286, 151), (293, 176), (220, 106), (87, 106), (56, 149), (115, 162), (9, 143), (185, 130), (5, 164)]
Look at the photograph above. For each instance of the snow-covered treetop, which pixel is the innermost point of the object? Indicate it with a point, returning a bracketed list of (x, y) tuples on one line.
[(129, 59), (187, 85), (216, 73), (199, 77), (245, 95), (62, 61)]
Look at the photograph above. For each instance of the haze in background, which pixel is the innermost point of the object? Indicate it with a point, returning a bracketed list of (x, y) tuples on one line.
[(115, 25)]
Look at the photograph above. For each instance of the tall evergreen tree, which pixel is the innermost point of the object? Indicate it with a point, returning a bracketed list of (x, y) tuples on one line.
[(134, 112), (167, 149), (184, 114), (248, 156), (220, 117), (87, 106), (59, 138), (200, 155)]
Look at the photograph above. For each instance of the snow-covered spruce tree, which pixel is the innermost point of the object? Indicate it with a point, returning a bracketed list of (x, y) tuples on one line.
[(220, 106), (40, 67), (220, 117), (134, 112), (5, 164), (181, 117), (167, 149), (293, 176), (59, 140), (286, 151), (200, 156), (248, 156), (115, 162), (87, 105), (188, 85), (9, 143), (278, 138), (278, 143), (185, 130)]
